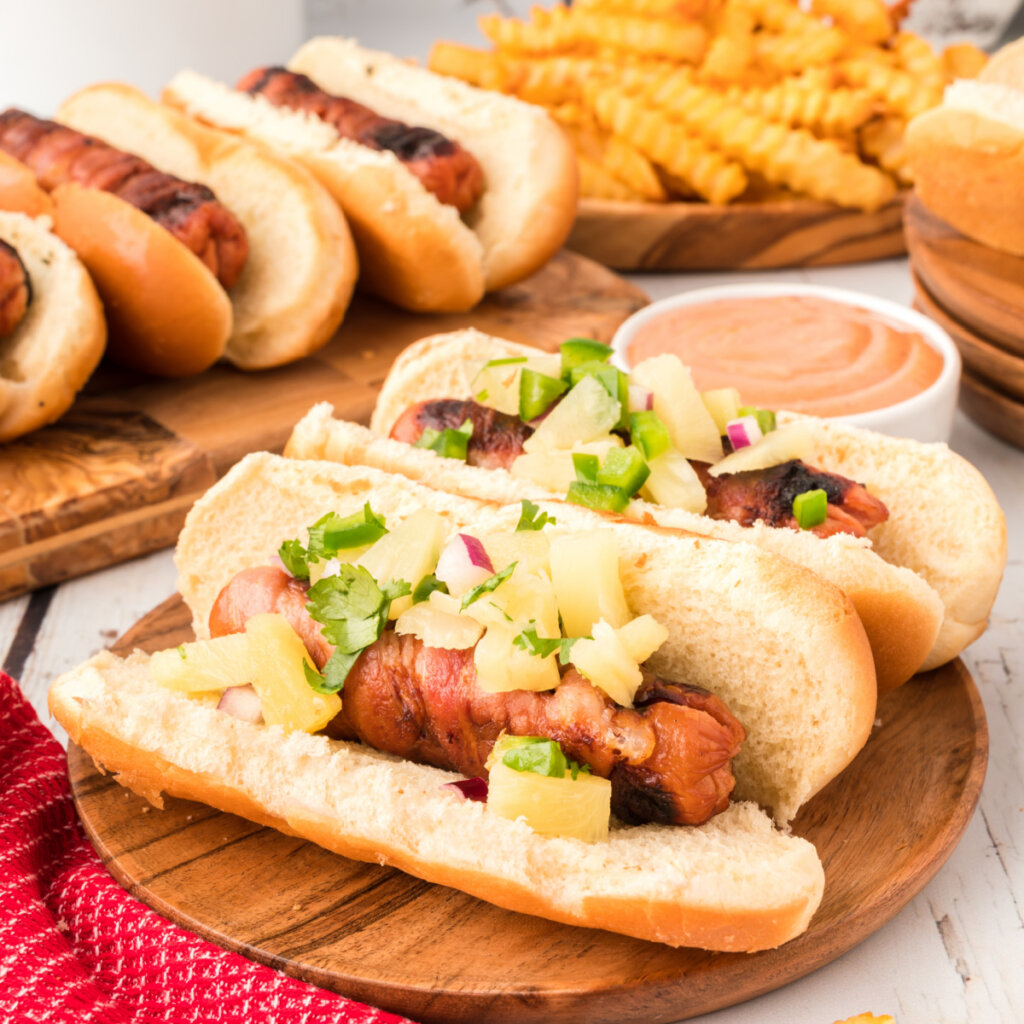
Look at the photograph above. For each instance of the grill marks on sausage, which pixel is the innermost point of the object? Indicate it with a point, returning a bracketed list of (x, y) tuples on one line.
[(15, 289), (191, 212), (497, 438), (442, 165), (767, 494), (668, 760)]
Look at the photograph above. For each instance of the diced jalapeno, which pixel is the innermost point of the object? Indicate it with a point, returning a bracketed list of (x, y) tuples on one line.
[(649, 434), (537, 392)]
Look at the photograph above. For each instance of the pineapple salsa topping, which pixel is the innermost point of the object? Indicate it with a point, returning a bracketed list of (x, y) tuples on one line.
[(603, 438)]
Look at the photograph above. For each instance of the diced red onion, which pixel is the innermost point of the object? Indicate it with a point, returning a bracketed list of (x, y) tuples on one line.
[(241, 702), (743, 432), (640, 399), (471, 789), (464, 564)]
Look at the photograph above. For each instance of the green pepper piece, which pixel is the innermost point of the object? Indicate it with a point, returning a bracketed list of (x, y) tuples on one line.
[(624, 468), (538, 755), (451, 443), (601, 497), (587, 467), (649, 433), (537, 392), (765, 417), (613, 380), (811, 508), (582, 350)]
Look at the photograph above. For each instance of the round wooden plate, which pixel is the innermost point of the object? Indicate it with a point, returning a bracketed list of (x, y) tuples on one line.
[(981, 358), (995, 412), (703, 236), (982, 288), (882, 829)]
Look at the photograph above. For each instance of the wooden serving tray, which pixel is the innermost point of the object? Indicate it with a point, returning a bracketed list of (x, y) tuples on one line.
[(754, 236), (982, 288), (883, 829), (116, 475)]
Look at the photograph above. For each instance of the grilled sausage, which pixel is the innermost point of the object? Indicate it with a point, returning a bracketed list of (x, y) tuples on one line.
[(443, 166), (190, 211), (669, 761), (15, 289)]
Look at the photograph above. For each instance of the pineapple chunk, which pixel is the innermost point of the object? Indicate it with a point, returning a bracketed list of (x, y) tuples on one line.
[(437, 627), (276, 671), (577, 808), (554, 468), (677, 401), (204, 665), (674, 483), (793, 441), (501, 666), (723, 404), (585, 573), (409, 552), (587, 413), (528, 548), (642, 637), (498, 386), (607, 663)]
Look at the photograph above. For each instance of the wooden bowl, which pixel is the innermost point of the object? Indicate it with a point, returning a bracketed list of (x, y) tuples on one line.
[(983, 288), (703, 236), (999, 368)]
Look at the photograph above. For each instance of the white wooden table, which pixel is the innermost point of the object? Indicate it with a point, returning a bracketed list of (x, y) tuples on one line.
[(954, 955)]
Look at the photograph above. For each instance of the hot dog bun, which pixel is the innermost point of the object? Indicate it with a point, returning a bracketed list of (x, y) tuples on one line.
[(57, 345), (733, 884), (19, 190), (923, 585), (750, 627), (414, 250), (967, 158), (301, 268)]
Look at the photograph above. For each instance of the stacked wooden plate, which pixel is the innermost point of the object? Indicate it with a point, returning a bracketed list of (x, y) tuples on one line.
[(977, 295)]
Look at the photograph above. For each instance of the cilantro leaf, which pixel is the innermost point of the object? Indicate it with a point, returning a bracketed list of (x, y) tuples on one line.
[(426, 587), (490, 584), (532, 518), (295, 558), (541, 646), (565, 651)]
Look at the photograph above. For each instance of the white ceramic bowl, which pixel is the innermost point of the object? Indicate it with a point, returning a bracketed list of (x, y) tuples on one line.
[(927, 416)]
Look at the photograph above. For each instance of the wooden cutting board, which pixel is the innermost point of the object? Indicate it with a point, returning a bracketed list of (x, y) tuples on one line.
[(753, 236), (882, 829), (115, 477)]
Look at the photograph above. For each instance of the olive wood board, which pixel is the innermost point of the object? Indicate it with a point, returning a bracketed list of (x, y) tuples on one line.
[(1001, 369), (980, 287), (883, 828), (745, 235), (116, 475)]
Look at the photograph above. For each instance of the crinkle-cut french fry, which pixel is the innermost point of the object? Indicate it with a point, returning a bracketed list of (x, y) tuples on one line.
[(549, 81), (707, 172), (681, 41), (963, 60), (893, 86), (547, 31), (686, 10), (786, 156), (866, 21), (597, 183), (731, 50), (924, 65), (791, 52), (478, 67), (801, 104), (882, 140)]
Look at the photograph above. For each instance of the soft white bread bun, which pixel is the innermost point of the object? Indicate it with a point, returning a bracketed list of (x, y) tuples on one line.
[(902, 596), (784, 649), (415, 251), (734, 884), (967, 158), (52, 352), (1006, 66), (301, 268), (19, 190)]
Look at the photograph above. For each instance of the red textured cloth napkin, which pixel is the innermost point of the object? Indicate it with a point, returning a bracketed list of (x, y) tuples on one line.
[(75, 947)]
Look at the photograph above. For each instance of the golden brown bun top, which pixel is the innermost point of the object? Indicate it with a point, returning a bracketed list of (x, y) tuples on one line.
[(1006, 66), (18, 189)]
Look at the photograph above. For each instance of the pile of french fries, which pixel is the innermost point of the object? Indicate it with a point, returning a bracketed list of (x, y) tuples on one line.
[(722, 100)]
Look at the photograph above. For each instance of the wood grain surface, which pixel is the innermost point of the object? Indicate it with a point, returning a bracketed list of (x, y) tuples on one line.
[(1001, 369), (996, 412), (883, 829), (702, 236), (982, 288), (115, 477)]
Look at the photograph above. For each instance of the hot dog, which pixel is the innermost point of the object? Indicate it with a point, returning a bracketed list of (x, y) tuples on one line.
[(411, 695), (922, 582), (444, 205), (164, 246), (51, 325)]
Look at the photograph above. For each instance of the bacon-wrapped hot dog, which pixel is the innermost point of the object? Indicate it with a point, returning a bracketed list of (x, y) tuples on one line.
[(451, 191), (15, 289)]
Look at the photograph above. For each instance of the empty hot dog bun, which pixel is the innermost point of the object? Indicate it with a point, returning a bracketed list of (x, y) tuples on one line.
[(748, 626), (301, 267), (733, 884), (923, 584), (49, 355), (414, 250), (967, 157)]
